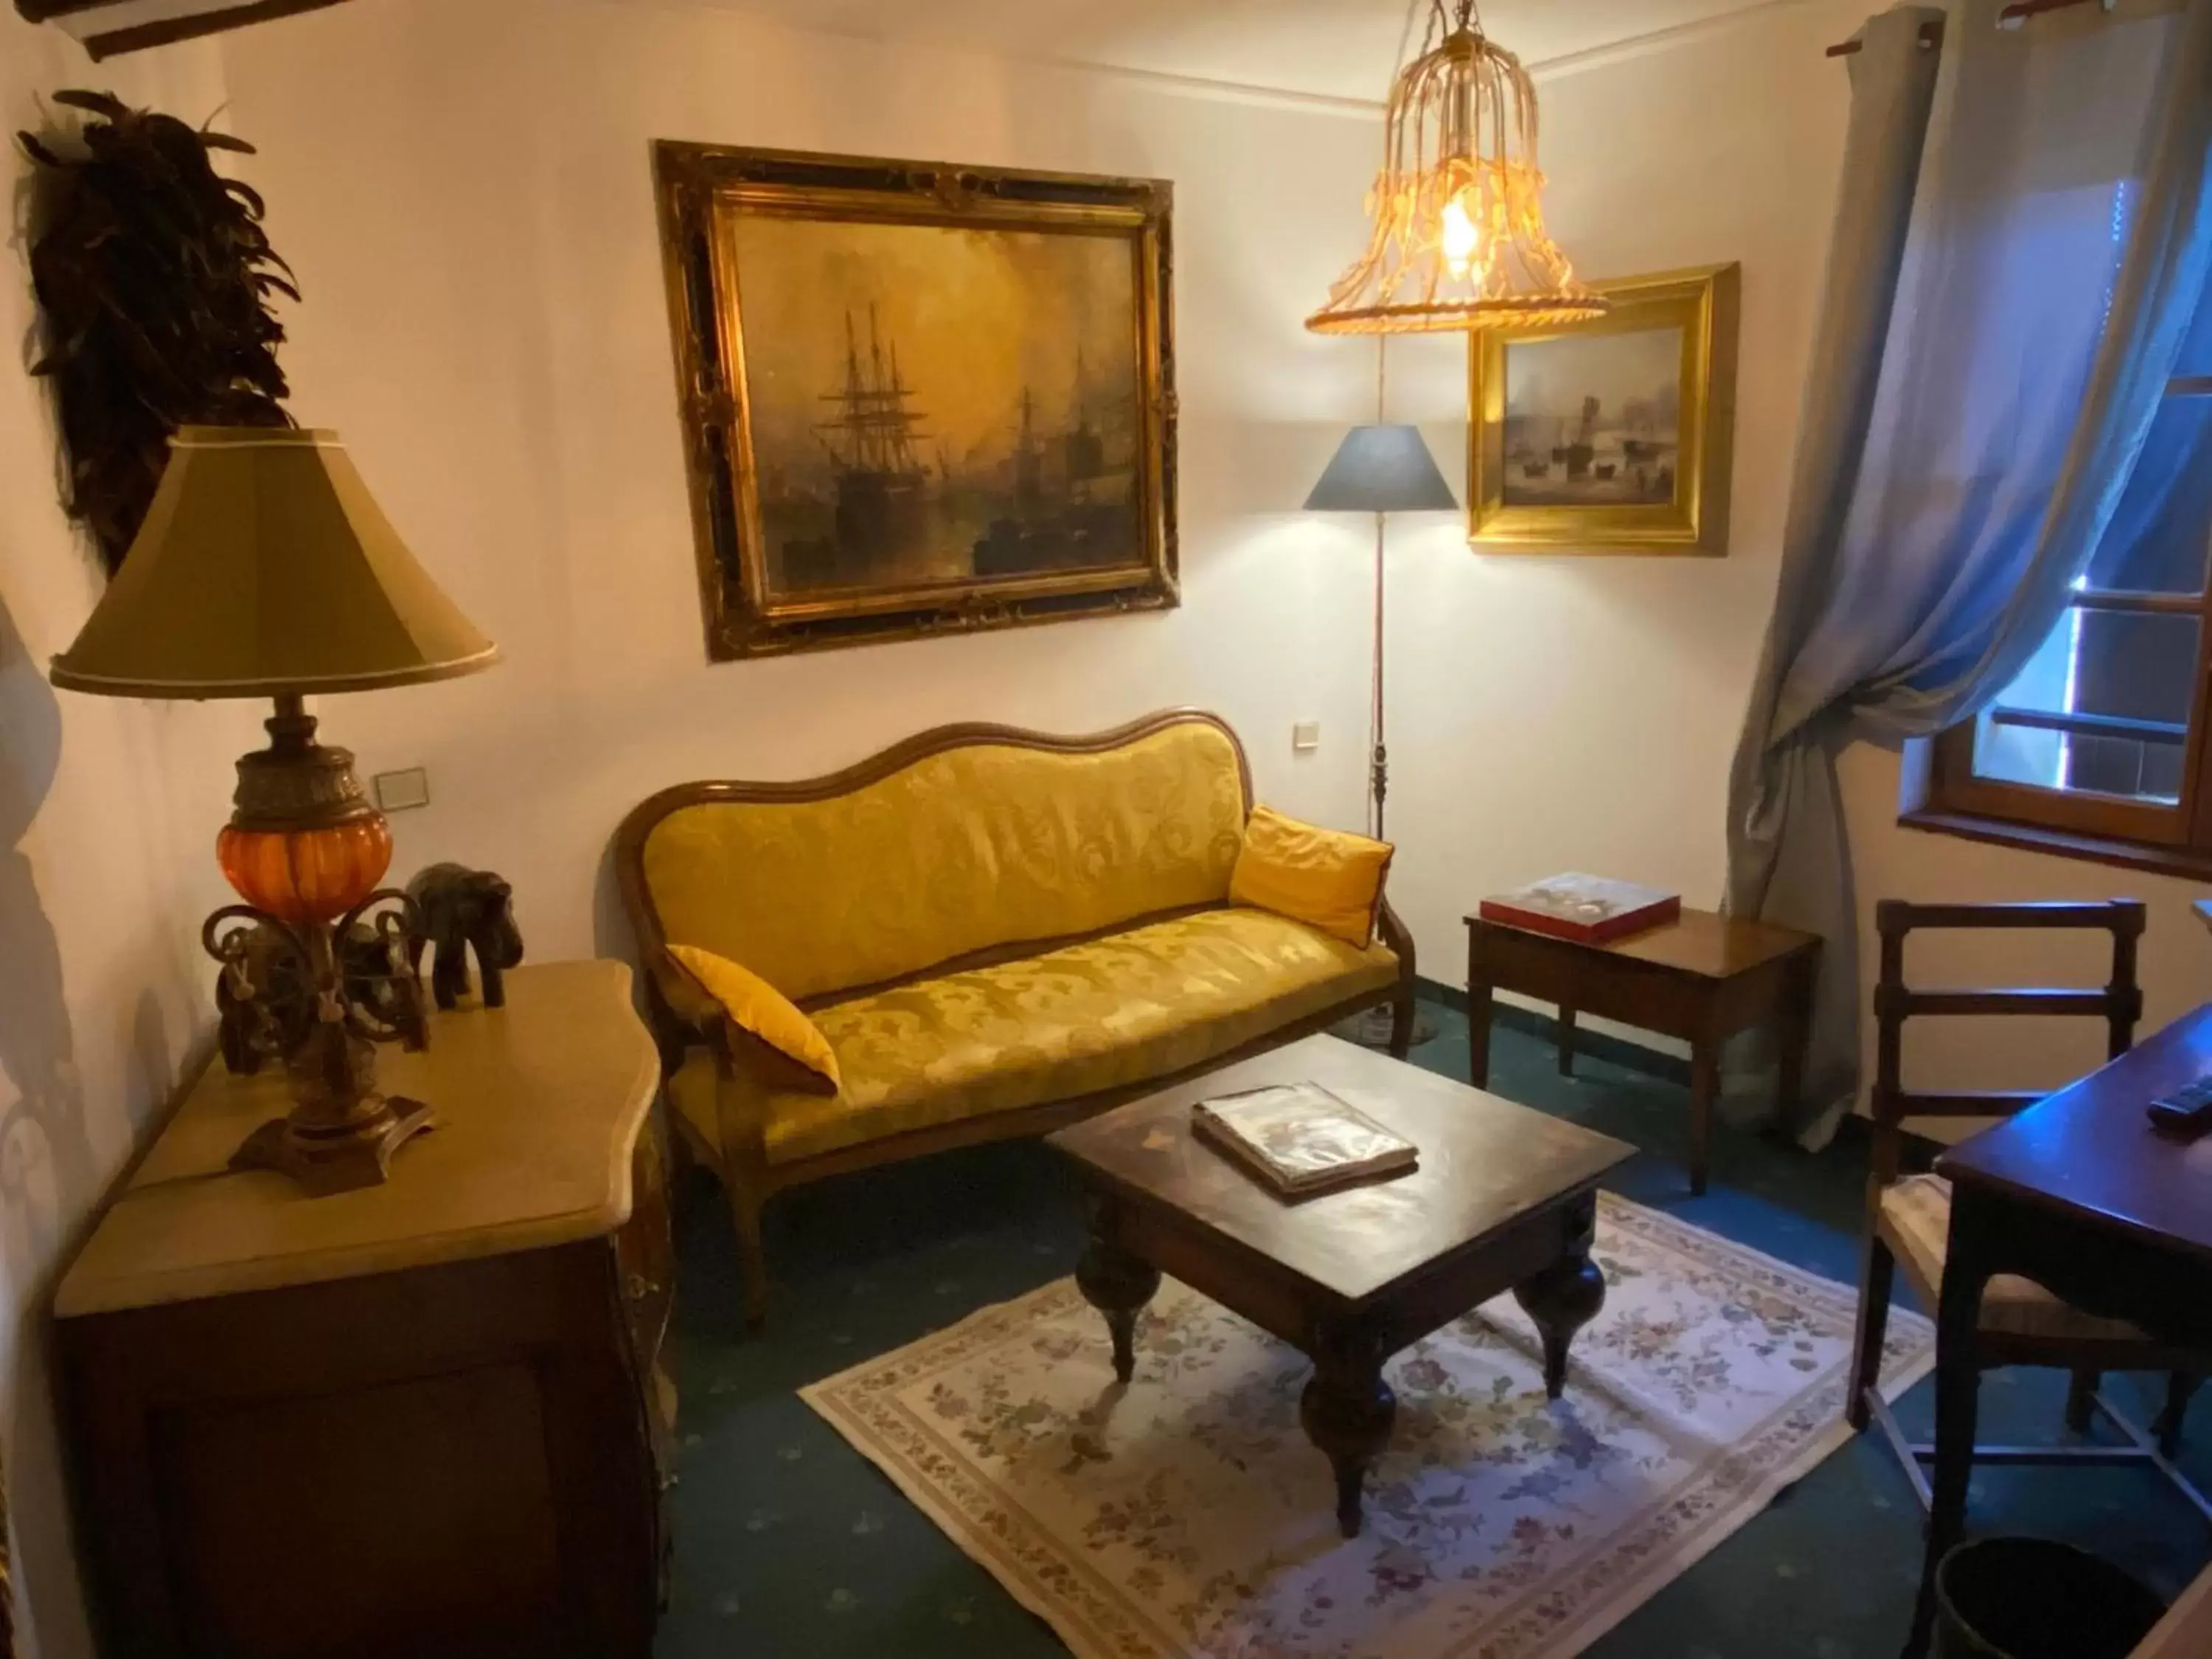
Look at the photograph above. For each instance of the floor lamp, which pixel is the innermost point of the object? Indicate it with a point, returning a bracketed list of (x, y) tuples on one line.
[(1381, 469)]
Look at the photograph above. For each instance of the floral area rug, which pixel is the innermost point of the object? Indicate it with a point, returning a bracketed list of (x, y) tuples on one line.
[(1186, 1514)]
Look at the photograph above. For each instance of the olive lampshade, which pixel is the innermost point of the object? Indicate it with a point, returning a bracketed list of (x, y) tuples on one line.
[(264, 568)]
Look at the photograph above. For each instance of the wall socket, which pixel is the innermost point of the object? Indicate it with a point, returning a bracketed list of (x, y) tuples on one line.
[(396, 792), (1305, 737)]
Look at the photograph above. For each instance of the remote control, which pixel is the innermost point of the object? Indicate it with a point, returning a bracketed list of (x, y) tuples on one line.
[(2186, 1113)]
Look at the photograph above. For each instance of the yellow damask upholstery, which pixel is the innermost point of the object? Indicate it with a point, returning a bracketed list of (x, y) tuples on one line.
[(1917, 1209), (1330, 878), (983, 845), (1122, 1009)]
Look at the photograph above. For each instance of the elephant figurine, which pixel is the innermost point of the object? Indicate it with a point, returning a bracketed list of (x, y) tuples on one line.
[(458, 909)]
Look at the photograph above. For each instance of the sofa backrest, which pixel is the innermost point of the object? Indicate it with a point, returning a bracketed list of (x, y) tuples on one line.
[(956, 841)]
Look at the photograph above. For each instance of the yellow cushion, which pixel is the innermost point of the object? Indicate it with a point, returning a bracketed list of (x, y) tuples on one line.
[(976, 847), (1329, 877), (1917, 1209), (1119, 1010), (759, 1007)]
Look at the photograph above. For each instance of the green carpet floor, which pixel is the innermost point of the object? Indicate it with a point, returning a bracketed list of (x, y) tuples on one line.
[(788, 1543)]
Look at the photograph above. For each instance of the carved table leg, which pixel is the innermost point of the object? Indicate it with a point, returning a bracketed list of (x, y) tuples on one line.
[(1566, 1297), (1348, 1410), (1118, 1284)]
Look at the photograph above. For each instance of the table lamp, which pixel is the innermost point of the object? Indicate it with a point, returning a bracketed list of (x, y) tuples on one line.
[(264, 569)]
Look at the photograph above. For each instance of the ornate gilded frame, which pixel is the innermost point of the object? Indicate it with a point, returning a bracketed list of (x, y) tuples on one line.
[(701, 188), (1704, 300)]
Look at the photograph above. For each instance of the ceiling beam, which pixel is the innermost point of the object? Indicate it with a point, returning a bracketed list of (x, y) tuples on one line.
[(109, 28)]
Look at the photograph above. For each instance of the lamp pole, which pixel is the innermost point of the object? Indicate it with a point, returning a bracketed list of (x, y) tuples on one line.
[(1379, 764), (1379, 758)]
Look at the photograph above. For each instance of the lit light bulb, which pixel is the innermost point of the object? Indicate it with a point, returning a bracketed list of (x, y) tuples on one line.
[(1460, 239)]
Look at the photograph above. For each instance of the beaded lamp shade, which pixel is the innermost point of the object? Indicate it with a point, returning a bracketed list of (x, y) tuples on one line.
[(1458, 239)]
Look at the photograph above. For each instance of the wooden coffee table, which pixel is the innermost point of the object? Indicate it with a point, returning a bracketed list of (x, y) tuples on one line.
[(1504, 1198)]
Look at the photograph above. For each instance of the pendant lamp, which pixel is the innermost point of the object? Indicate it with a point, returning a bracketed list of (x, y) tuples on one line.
[(1458, 239)]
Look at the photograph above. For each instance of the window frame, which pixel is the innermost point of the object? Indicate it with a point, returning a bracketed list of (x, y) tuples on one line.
[(2081, 822)]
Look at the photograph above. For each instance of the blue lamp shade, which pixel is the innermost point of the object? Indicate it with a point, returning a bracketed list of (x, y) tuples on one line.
[(1382, 469)]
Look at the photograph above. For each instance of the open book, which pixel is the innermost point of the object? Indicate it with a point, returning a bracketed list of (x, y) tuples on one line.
[(1298, 1139)]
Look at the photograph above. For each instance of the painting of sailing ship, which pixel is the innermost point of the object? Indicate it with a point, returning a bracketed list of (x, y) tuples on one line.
[(918, 399), (1593, 419), (934, 405)]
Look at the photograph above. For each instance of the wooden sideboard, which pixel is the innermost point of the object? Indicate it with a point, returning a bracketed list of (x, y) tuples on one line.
[(427, 1419)]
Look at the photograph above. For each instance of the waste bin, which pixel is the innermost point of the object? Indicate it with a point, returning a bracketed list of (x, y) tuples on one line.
[(2028, 1598)]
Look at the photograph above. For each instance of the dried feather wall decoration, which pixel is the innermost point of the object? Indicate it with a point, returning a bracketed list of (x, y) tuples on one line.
[(155, 277)]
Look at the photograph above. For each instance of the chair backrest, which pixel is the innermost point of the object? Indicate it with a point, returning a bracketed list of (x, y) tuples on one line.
[(2119, 1005)]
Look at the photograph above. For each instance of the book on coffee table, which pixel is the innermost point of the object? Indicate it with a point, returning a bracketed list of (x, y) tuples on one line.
[(1588, 909), (1299, 1139)]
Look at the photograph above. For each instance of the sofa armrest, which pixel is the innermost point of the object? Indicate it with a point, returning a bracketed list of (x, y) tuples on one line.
[(747, 1069), (690, 1008), (1396, 934)]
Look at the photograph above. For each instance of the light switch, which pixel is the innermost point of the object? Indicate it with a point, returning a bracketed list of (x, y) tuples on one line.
[(1305, 737), (396, 792)]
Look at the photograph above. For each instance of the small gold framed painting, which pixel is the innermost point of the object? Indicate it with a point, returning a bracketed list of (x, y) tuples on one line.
[(1609, 436)]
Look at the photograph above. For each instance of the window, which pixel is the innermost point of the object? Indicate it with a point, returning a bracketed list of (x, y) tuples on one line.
[(2101, 743)]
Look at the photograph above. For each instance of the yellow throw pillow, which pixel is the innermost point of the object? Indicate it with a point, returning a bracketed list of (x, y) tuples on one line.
[(756, 1006), (1328, 879)]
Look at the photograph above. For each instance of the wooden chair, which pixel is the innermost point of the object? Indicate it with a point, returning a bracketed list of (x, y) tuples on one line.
[(1908, 1215)]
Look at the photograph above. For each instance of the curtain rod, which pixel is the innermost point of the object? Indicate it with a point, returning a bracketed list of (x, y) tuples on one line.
[(1931, 35)]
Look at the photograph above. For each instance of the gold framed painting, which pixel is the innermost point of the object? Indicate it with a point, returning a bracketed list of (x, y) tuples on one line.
[(1610, 436), (918, 399)]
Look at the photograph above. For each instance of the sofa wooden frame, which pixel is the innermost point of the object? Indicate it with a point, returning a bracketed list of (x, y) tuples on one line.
[(684, 1016)]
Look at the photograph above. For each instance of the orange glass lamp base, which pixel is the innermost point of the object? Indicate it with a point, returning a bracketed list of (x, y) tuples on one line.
[(305, 851), (311, 875)]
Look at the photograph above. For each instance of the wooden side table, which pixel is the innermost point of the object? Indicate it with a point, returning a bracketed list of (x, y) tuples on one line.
[(1702, 979), (425, 1419)]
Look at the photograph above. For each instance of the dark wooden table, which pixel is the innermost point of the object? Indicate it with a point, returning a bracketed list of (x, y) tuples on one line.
[(1504, 1198), (2080, 1194), (1702, 979)]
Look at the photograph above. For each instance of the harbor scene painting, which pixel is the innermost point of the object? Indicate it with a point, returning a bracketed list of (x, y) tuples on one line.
[(1593, 419), (934, 404), (1616, 434)]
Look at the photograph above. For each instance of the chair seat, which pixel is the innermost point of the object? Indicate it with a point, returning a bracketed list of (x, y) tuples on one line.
[(1917, 1212)]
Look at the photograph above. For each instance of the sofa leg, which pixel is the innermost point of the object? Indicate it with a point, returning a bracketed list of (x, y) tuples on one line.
[(752, 1261), (1402, 1025)]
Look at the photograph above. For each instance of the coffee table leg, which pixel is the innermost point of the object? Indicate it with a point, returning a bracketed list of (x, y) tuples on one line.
[(1566, 1041), (1348, 1410), (1118, 1284), (1565, 1297)]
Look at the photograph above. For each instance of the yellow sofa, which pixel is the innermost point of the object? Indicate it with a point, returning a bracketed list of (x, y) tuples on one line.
[(998, 932)]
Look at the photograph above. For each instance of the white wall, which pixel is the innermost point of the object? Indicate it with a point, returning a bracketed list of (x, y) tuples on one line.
[(467, 197), (1554, 713), (466, 194), (107, 819)]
